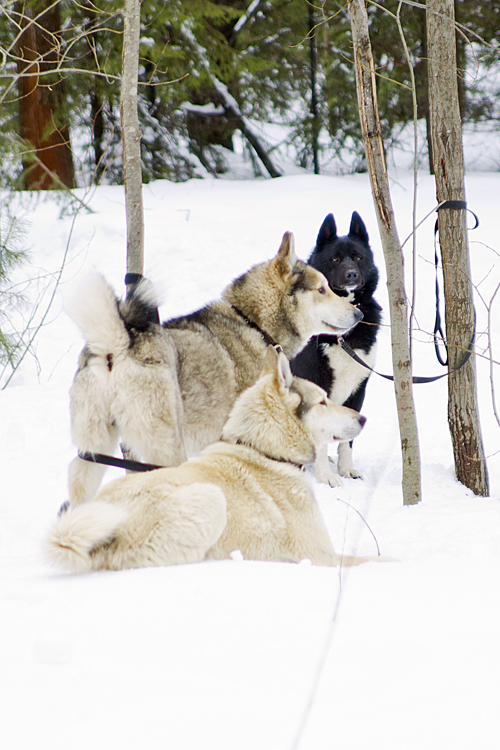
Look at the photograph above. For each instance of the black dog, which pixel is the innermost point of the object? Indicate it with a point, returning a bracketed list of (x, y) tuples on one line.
[(347, 262)]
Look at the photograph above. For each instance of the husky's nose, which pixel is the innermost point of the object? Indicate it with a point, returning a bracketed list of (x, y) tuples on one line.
[(362, 420)]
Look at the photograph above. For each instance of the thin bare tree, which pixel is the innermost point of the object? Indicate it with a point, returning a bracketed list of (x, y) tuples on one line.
[(446, 136), (131, 135), (372, 138)]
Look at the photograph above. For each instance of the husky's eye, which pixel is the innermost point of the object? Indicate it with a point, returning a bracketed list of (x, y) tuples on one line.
[(322, 290), (324, 402)]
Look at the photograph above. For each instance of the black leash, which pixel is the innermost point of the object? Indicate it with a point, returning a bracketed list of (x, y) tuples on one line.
[(437, 325), (133, 278), (415, 378), (120, 463), (438, 329)]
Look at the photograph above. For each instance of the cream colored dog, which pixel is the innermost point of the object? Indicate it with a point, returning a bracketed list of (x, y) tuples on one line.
[(247, 492)]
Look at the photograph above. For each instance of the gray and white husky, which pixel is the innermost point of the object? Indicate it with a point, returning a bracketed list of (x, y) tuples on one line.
[(247, 492), (166, 390)]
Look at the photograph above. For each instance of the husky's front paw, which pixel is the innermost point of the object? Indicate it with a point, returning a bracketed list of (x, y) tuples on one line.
[(324, 475), (345, 464), (350, 473), (333, 480), (323, 471)]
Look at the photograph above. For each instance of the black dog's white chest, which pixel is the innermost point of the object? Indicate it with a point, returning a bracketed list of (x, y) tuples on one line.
[(347, 374)]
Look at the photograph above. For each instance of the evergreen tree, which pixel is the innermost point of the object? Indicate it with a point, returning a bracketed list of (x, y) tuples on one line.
[(199, 55)]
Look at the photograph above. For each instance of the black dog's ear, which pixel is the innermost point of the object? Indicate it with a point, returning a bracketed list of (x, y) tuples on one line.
[(327, 233), (357, 228)]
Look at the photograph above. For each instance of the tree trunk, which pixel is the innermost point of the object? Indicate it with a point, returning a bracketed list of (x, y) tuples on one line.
[(42, 100), (461, 63), (313, 57), (425, 77), (97, 117), (372, 137), (131, 136), (446, 133)]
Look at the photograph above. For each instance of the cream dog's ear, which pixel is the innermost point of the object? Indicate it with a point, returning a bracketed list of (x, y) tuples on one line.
[(284, 372), (277, 364), (270, 362)]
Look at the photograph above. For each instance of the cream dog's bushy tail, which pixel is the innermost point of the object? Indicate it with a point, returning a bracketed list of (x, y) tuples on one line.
[(104, 321), (94, 309), (80, 529)]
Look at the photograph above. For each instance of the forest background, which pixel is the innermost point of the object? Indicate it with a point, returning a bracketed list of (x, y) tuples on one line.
[(207, 69)]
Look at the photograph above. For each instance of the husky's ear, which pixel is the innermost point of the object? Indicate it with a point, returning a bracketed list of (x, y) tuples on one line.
[(327, 233), (277, 364), (358, 229), (286, 259), (284, 372)]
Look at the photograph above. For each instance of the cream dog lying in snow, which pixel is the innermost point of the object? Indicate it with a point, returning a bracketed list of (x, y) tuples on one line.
[(247, 492)]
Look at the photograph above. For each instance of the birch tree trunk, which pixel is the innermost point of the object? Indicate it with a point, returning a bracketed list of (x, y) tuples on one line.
[(446, 135), (372, 138), (131, 137)]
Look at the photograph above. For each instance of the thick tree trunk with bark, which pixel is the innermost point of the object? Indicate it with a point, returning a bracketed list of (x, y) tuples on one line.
[(372, 137), (131, 136), (42, 100), (446, 134)]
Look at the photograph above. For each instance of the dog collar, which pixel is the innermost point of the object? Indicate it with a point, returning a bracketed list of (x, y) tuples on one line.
[(266, 455), (267, 338)]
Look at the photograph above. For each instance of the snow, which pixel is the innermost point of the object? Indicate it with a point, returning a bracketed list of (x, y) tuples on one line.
[(204, 109), (242, 654)]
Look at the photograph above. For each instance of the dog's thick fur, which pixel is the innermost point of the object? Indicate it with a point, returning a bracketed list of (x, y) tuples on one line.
[(348, 264), (246, 492), (167, 390)]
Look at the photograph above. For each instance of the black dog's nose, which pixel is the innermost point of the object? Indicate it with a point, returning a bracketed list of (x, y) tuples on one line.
[(351, 276)]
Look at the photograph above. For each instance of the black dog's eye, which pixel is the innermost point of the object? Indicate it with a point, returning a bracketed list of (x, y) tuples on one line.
[(335, 260), (357, 258)]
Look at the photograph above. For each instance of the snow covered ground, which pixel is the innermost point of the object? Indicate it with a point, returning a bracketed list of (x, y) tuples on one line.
[(240, 655)]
